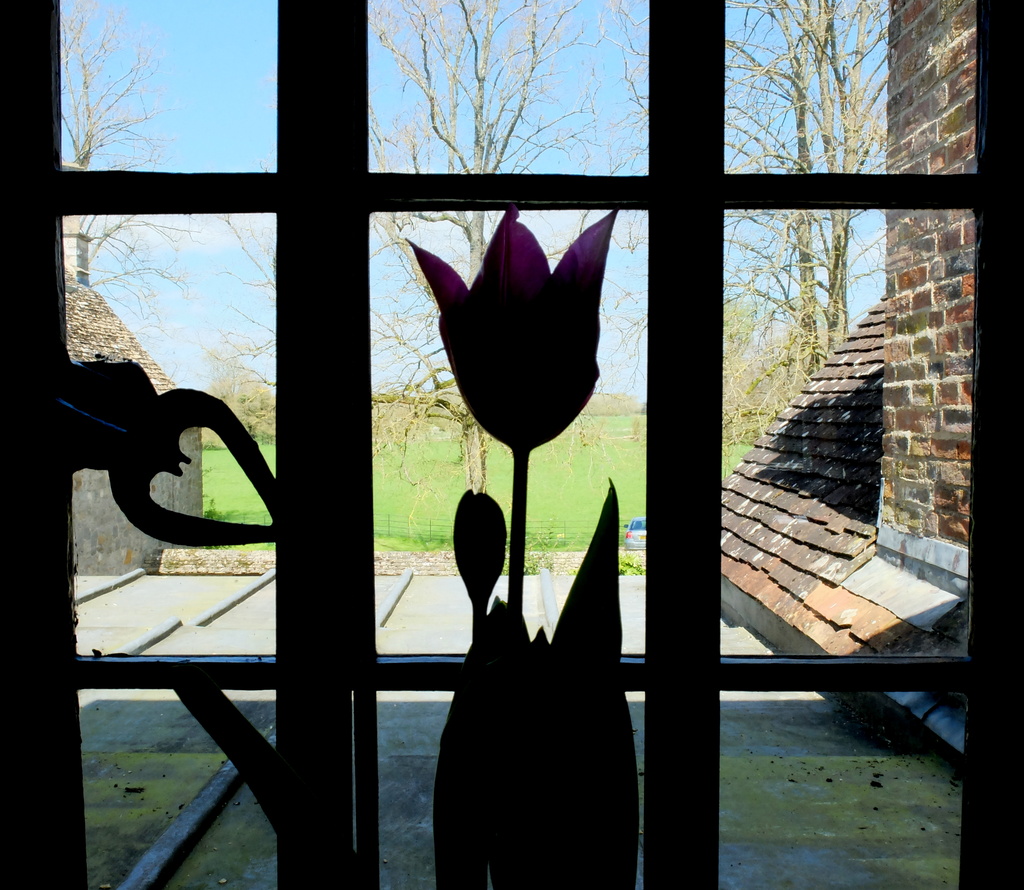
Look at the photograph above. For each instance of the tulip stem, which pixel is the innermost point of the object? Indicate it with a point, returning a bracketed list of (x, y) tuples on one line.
[(517, 539)]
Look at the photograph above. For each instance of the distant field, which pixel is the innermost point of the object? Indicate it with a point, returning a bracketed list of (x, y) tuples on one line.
[(227, 493), (415, 499), (568, 484)]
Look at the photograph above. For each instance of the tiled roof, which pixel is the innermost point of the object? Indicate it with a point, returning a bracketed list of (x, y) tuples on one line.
[(799, 512), (801, 505), (801, 554), (96, 333)]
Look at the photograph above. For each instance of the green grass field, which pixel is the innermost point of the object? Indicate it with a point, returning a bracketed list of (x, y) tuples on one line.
[(416, 492), (228, 494)]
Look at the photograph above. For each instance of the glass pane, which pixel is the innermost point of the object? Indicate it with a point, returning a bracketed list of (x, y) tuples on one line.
[(428, 449), (409, 735), (178, 614), (145, 88), (192, 301), (509, 87), (846, 452), (149, 768), (812, 796), (826, 87)]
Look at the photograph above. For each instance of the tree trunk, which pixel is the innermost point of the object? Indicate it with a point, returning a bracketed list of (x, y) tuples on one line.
[(837, 313), (474, 455), (809, 346)]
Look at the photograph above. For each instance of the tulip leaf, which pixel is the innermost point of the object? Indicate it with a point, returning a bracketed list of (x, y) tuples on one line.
[(539, 742), (590, 625)]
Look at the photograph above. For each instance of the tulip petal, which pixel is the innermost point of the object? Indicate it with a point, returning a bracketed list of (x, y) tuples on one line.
[(448, 287), (517, 316), (515, 268), (589, 630), (581, 269)]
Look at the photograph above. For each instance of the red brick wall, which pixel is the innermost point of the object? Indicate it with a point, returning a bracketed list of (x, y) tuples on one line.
[(932, 76), (929, 274)]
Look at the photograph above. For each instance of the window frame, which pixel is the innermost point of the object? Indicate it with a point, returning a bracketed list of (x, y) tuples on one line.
[(351, 663), (974, 674)]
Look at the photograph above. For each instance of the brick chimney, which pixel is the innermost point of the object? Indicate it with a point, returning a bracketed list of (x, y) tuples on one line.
[(929, 338), (76, 242), (76, 250)]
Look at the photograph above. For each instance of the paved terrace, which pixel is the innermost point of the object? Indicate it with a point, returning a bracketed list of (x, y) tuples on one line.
[(808, 797)]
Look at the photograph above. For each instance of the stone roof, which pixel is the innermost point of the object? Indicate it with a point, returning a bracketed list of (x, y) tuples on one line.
[(799, 513), (801, 506), (95, 333), (799, 522)]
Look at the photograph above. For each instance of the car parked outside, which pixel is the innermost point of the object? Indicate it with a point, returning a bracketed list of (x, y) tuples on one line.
[(636, 534)]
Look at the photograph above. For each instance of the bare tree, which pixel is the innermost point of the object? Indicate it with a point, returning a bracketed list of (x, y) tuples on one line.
[(108, 97), (625, 24), (414, 389), (251, 346), (486, 77), (485, 92), (761, 372), (252, 400), (109, 101), (805, 93), (805, 86)]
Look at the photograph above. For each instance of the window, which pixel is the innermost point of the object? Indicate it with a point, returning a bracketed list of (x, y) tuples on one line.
[(321, 193), (956, 190)]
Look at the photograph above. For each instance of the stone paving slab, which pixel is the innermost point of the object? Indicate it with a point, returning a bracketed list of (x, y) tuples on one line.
[(257, 612), (146, 603), (434, 614), (740, 641), (780, 815), (810, 798), (108, 639), (144, 758), (217, 641)]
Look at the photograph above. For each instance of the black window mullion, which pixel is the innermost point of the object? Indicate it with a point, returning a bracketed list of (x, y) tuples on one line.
[(828, 190), (45, 696), (361, 637)]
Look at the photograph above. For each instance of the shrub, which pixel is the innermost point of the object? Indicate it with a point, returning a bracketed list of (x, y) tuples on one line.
[(533, 563), (631, 565), (210, 511)]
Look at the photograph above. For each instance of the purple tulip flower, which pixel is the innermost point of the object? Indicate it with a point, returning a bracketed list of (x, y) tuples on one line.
[(522, 341)]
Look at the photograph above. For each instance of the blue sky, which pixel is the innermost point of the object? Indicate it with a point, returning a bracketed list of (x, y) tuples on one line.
[(217, 80), (218, 86)]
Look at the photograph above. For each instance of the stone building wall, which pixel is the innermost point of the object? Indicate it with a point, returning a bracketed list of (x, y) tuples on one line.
[(190, 561), (106, 543)]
